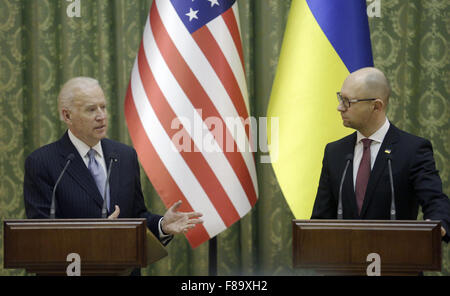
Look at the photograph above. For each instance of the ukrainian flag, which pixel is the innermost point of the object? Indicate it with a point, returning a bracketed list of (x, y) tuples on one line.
[(324, 41)]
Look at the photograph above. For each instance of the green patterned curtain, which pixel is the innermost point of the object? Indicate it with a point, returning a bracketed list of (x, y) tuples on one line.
[(41, 47)]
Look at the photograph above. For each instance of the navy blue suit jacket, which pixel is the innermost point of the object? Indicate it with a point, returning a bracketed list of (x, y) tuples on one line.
[(416, 182), (77, 195)]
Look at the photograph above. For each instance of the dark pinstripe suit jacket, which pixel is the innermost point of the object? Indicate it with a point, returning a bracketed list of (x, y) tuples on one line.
[(77, 195)]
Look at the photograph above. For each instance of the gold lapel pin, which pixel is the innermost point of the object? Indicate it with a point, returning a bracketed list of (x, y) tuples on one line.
[(387, 151)]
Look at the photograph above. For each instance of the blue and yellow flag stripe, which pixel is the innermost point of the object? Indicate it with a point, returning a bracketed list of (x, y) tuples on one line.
[(324, 41), (345, 25)]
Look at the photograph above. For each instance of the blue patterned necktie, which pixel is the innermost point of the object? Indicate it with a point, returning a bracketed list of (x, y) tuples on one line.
[(99, 175)]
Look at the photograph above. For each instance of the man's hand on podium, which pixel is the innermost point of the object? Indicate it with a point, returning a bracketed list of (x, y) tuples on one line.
[(116, 213), (175, 222), (443, 232)]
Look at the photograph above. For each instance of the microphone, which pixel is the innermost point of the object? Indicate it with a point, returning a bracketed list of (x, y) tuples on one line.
[(69, 158), (112, 158), (348, 158), (391, 180)]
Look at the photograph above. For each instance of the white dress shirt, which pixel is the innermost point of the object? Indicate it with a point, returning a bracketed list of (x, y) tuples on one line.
[(83, 150), (377, 138)]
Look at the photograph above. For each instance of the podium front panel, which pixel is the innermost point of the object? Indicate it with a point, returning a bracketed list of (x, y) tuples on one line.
[(102, 244), (344, 245)]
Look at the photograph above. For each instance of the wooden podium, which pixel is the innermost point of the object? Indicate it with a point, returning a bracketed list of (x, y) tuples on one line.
[(105, 247), (341, 247)]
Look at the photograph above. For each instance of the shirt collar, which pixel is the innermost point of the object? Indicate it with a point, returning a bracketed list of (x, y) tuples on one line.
[(377, 136), (82, 147)]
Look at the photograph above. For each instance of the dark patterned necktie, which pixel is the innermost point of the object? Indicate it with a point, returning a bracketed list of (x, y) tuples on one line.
[(362, 178)]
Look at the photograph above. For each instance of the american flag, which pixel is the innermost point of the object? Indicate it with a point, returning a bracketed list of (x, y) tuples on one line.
[(187, 112)]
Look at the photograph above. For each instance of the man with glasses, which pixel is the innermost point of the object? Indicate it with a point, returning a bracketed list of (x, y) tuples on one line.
[(366, 191)]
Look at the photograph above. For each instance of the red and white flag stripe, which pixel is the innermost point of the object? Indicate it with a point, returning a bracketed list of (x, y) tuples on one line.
[(193, 77)]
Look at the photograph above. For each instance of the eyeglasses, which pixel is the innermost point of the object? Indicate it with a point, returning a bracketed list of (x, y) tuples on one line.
[(346, 101)]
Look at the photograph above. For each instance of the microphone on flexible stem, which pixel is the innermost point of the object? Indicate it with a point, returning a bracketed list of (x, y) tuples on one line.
[(348, 158), (112, 158), (69, 158), (391, 180)]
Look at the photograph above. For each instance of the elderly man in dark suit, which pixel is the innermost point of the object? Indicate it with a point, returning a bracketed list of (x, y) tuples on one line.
[(366, 192), (81, 191)]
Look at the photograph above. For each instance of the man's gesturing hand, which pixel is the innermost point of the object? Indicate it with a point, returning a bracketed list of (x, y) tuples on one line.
[(175, 222)]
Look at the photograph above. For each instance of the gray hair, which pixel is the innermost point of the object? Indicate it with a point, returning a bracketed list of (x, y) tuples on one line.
[(72, 89)]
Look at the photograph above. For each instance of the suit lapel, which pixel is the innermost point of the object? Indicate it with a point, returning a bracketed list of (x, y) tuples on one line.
[(379, 166), (348, 191), (78, 170), (108, 150)]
